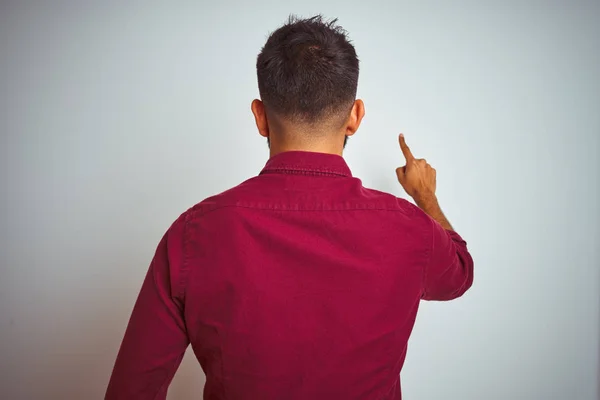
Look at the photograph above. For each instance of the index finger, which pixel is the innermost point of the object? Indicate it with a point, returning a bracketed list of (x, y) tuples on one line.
[(405, 149)]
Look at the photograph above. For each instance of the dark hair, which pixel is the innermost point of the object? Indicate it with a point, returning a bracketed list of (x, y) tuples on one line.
[(308, 70)]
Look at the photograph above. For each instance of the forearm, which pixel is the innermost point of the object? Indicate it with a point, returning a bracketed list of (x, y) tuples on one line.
[(429, 204)]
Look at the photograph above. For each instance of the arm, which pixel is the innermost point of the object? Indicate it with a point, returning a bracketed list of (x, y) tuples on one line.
[(449, 272), (156, 337), (429, 204)]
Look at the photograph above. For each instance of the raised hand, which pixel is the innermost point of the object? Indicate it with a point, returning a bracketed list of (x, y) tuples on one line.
[(417, 177)]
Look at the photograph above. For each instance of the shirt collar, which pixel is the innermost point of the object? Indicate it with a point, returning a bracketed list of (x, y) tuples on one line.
[(307, 163)]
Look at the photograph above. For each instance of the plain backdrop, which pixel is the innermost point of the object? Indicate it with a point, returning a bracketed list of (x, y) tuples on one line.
[(115, 118)]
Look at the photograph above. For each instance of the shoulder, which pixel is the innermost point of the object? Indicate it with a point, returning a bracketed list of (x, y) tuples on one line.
[(401, 208), (389, 201), (228, 198)]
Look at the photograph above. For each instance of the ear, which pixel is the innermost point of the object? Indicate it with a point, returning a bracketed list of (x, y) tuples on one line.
[(258, 109), (356, 115)]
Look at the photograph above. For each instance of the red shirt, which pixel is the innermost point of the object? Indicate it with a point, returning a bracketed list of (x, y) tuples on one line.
[(297, 284)]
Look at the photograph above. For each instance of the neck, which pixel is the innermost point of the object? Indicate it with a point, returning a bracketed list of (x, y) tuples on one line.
[(284, 138), (328, 147)]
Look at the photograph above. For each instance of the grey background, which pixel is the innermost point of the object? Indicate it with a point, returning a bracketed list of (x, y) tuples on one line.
[(116, 118)]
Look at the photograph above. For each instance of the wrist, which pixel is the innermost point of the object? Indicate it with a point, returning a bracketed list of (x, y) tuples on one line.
[(426, 201)]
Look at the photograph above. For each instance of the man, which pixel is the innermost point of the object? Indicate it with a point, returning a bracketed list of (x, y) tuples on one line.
[(299, 283)]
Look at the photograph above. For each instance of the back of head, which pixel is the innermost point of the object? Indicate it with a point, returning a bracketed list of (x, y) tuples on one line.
[(308, 72)]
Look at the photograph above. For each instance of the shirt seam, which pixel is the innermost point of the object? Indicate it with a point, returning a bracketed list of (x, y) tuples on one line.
[(183, 280), (295, 169), (429, 257), (200, 213), (184, 283)]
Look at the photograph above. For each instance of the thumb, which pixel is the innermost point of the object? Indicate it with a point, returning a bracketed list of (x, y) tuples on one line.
[(401, 174)]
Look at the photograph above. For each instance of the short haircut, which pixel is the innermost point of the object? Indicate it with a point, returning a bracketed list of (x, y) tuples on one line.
[(308, 71)]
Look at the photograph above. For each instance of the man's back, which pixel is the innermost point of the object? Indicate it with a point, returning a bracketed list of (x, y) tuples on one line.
[(297, 284)]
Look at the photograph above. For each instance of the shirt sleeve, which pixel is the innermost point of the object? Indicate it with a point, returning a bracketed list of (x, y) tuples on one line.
[(156, 339), (449, 273)]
